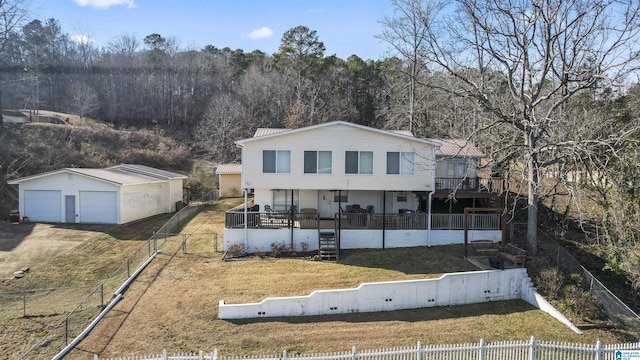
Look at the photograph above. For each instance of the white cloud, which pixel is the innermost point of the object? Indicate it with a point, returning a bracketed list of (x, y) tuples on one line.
[(263, 32), (105, 4), (81, 39)]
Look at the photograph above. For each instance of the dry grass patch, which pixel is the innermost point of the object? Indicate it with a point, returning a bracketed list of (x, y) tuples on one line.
[(178, 308)]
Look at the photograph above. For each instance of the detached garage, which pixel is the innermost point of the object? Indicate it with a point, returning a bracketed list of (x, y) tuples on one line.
[(114, 195)]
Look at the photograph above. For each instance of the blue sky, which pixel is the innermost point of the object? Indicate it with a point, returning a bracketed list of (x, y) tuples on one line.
[(345, 26)]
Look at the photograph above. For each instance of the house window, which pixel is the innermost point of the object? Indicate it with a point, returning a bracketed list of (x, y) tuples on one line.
[(401, 197), (400, 163), (341, 196), (456, 169), (284, 199), (276, 161), (317, 162), (358, 162)]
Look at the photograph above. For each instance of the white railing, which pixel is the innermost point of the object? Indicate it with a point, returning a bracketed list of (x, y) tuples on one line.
[(532, 349), (408, 221), (456, 221)]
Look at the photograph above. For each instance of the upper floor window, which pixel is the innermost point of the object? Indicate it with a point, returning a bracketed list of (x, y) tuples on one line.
[(276, 161), (358, 162), (400, 163), (317, 162)]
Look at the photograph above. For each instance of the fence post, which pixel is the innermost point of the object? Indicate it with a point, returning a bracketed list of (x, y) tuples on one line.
[(184, 243), (532, 349), (102, 296), (152, 237), (214, 354), (481, 349), (598, 350), (354, 353), (128, 270), (24, 303), (284, 354), (419, 350), (164, 354), (215, 242), (66, 331)]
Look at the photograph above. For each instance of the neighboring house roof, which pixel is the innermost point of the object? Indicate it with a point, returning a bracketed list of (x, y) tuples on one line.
[(262, 133), (119, 175), (229, 169), (457, 148)]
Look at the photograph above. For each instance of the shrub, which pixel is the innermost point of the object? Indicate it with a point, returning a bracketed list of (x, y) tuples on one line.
[(549, 282), (236, 250), (304, 246), (278, 249), (581, 303)]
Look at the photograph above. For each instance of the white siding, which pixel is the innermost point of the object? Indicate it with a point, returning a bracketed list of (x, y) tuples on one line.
[(338, 139), (176, 194), (66, 184), (141, 201)]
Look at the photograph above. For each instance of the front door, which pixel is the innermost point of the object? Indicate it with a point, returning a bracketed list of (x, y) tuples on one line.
[(70, 208), (326, 205)]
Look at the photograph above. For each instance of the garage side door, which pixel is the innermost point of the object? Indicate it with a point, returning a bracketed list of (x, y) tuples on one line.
[(43, 205), (98, 207)]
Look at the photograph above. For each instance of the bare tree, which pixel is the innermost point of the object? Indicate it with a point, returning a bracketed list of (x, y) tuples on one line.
[(522, 63), (219, 128), (407, 33), (12, 15), (84, 99)]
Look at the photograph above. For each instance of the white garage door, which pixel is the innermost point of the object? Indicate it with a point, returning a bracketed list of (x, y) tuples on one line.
[(43, 205), (98, 207)]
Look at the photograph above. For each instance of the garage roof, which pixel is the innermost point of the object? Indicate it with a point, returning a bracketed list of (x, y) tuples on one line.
[(121, 174)]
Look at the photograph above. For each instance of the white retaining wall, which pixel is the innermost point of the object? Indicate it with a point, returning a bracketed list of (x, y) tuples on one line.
[(450, 289), (261, 239)]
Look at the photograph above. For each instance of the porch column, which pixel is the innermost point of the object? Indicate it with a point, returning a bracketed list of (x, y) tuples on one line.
[(384, 215)]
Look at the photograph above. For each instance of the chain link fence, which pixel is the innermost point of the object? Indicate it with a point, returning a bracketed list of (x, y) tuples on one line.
[(68, 311), (617, 311)]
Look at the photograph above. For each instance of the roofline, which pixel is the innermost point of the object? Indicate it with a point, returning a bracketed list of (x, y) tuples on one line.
[(132, 168), (74, 171), (71, 170), (241, 142)]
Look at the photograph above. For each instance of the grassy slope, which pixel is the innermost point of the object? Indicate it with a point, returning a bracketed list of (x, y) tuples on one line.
[(174, 306)]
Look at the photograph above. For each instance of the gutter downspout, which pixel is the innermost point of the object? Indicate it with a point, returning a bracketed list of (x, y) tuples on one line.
[(433, 189)]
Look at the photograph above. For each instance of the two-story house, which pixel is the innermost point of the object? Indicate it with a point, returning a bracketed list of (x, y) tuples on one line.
[(340, 185)]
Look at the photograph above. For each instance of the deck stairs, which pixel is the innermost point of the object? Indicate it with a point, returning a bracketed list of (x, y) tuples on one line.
[(328, 249)]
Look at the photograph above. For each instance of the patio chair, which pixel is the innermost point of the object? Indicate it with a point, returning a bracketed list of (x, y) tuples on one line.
[(348, 209), (370, 209)]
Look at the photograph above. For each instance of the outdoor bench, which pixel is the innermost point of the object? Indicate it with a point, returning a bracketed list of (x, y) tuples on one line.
[(514, 254)]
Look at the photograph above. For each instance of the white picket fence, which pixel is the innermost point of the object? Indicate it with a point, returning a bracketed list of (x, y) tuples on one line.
[(512, 350)]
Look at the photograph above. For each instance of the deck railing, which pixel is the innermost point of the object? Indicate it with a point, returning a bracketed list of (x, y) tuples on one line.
[(370, 221), (272, 220), (491, 185)]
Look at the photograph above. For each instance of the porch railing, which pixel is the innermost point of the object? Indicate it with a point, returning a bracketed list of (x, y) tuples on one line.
[(456, 221), (272, 220), (491, 185), (365, 221)]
